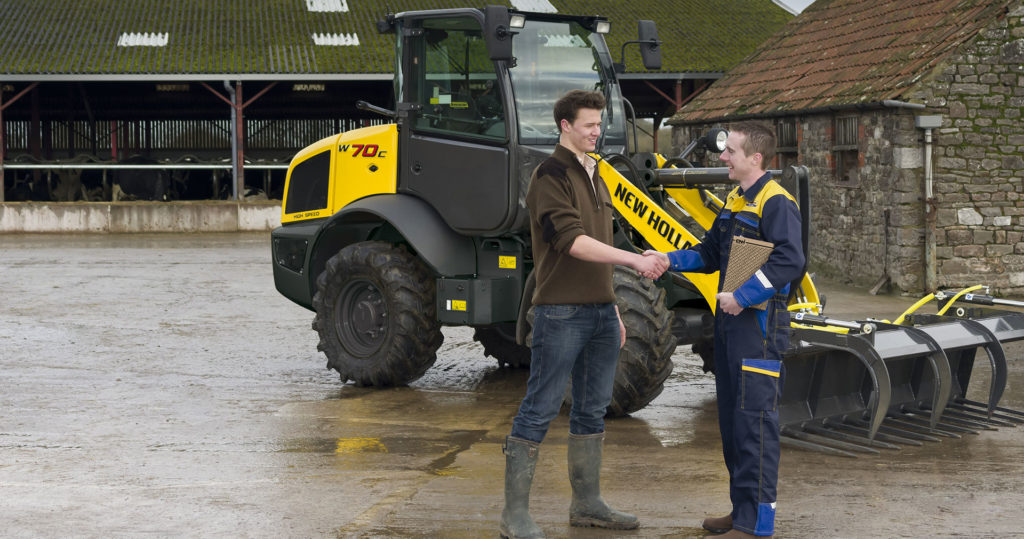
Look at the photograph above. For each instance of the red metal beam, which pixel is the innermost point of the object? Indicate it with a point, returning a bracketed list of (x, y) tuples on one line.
[(18, 95), (259, 94), (662, 94)]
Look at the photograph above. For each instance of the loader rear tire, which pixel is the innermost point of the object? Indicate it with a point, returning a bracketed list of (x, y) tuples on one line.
[(645, 362), (376, 315), (499, 342)]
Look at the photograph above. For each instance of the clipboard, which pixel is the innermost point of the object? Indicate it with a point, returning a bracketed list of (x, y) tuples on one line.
[(746, 256)]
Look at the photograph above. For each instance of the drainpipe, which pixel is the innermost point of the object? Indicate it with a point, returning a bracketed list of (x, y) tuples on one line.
[(930, 206)]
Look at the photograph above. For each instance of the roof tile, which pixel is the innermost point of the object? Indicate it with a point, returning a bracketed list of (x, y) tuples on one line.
[(841, 52)]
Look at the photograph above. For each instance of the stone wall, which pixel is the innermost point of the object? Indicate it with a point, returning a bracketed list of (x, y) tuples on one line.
[(979, 168), (875, 226)]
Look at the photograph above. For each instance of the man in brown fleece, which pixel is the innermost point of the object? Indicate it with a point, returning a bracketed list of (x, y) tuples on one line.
[(577, 330)]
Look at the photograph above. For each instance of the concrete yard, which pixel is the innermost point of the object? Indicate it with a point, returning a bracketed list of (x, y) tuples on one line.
[(157, 385)]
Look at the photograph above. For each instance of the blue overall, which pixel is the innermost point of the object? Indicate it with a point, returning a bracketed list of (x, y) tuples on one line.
[(749, 346)]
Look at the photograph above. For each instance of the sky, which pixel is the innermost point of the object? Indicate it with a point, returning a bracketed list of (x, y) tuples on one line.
[(794, 6)]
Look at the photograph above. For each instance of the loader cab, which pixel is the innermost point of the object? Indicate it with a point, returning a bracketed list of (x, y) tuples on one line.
[(475, 97)]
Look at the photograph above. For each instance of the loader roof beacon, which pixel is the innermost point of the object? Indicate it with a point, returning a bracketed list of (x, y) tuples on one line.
[(389, 232)]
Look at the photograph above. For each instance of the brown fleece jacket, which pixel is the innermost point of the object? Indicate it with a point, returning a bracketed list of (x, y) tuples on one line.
[(563, 206)]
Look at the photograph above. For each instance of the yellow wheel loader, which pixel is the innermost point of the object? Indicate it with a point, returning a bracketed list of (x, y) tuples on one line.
[(390, 232)]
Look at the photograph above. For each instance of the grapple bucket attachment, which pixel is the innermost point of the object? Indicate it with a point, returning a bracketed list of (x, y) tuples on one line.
[(904, 383)]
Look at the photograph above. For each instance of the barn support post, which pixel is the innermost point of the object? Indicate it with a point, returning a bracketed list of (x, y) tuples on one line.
[(3, 129), (3, 143), (234, 100)]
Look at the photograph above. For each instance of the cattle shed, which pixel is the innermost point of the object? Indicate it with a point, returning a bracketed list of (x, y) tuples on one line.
[(192, 100)]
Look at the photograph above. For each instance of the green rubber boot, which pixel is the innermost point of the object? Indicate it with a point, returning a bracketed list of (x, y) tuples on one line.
[(520, 463), (587, 508)]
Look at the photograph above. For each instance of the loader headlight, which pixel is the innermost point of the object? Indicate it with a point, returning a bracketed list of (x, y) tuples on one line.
[(517, 21), (290, 253), (602, 27), (715, 139)]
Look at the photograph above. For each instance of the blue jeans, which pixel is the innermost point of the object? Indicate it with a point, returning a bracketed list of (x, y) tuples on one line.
[(577, 340)]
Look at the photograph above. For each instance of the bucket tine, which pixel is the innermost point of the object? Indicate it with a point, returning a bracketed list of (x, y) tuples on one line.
[(998, 408), (830, 442), (1004, 417), (943, 428), (913, 426), (880, 436), (981, 420), (907, 433), (973, 426), (790, 441), (860, 440)]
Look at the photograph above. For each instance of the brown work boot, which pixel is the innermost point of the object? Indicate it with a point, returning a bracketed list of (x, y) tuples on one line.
[(717, 525), (736, 534)]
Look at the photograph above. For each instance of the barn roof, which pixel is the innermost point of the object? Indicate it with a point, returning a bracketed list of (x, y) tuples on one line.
[(844, 52), (206, 39)]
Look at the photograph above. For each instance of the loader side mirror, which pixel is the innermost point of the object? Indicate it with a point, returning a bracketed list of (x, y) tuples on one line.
[(650, 46), (498, 33)]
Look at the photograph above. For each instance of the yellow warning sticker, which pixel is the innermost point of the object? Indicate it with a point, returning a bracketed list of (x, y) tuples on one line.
[(457, 305), (507, 262)]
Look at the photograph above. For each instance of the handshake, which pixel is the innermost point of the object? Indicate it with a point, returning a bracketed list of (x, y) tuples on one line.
[(651, 264)]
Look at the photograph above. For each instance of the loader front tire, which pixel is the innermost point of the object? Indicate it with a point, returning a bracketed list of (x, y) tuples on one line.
[(499, 342), (376, 315), (645, 362)]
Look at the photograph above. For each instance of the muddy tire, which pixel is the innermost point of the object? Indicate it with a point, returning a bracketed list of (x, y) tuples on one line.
[(376, 315), (645, 362), (499, 342)]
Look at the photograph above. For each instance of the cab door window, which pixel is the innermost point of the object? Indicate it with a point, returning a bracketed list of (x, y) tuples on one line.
[(456, 86)]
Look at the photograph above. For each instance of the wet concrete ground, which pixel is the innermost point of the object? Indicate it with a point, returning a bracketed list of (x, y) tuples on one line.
[(158, 385)]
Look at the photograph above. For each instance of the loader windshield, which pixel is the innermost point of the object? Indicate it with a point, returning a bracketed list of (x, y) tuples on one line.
[(551, 59)]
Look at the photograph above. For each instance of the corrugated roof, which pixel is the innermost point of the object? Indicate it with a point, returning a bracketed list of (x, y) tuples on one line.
[(276, 37), (844, 52)]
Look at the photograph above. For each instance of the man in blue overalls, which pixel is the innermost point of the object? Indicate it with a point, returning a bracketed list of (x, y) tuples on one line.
[(749, 342)]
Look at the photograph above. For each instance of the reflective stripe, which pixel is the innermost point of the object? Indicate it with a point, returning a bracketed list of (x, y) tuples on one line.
[(761, 371), (764, 280)]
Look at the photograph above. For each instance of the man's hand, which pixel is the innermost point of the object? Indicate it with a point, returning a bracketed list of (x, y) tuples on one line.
[(652, 264), (728, 303), (622, 328)]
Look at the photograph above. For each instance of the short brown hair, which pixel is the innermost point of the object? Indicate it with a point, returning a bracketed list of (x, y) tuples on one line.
[(759, 139), (570, 104)]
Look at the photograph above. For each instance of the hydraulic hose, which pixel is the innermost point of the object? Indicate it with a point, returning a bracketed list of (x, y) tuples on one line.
[(914, 307), (800, 306), (957, 296), (930, 297)]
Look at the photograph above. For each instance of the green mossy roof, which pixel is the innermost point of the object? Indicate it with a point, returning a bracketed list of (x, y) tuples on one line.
[(274, 37)]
